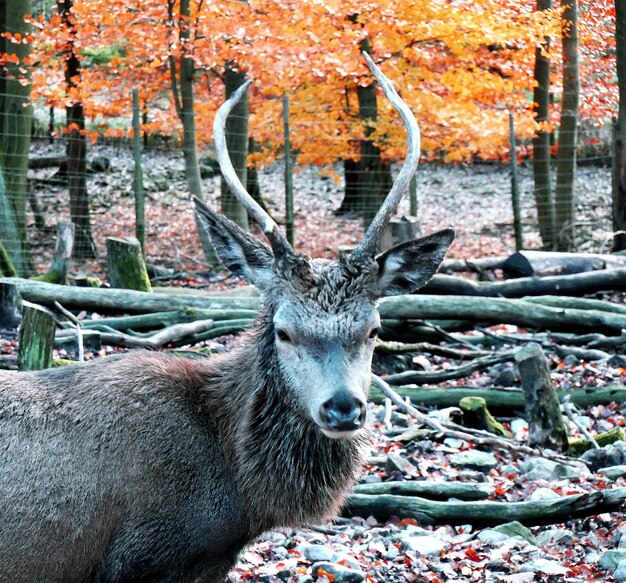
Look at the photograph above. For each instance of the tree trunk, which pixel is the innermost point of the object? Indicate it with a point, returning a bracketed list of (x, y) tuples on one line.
[(181, 77), (252, 178), (619, 179), (84, 247), (368, 181), (541, 144), (237, 143), (125, 265), (15, 131), (566, 158), (36, 338), (182, 84)]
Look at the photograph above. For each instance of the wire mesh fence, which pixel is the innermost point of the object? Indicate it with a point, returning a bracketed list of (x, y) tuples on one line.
[(474, 199)]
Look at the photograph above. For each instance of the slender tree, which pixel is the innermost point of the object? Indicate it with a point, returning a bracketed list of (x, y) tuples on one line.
[(619, 182), (84, 247), (544, 199), (15, 124), (182, 70), (237, 142), (564, 198), (367, 180)]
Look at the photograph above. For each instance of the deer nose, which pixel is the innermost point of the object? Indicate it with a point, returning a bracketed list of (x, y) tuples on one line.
[(343, 412)]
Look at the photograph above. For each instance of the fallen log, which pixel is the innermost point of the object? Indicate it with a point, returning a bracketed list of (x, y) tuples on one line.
[(163, 319), (485, 513), (576, 303), (501, 310), (530, 263), (499, 398), (47, 162), (472, 265), (565, 285), (423, 376), (429, 489), (120, 300), (414, 307)]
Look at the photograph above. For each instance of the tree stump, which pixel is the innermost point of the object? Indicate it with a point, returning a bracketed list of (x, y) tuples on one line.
[(10, 306), (399, 230), (36, 338), (477, 416), (62, 255), (126, 266), (546, 427)]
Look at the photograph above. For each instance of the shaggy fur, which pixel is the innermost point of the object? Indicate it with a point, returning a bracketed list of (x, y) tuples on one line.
[(154, 468)]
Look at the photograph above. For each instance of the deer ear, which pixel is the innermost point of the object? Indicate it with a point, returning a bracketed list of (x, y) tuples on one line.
[(243, 255), (408, 266)]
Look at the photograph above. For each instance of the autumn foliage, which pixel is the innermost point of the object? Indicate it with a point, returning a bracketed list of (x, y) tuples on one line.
[(462, 65)]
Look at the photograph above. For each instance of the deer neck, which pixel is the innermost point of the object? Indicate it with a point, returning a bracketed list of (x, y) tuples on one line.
[(287, 471)]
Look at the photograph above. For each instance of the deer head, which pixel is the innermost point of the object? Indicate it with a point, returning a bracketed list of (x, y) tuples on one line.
[(321, 320)]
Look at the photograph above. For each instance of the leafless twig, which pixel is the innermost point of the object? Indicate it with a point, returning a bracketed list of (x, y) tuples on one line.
[(567, 408)]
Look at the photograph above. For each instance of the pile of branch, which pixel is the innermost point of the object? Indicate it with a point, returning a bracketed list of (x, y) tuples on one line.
[(564, 325), (566, 314)]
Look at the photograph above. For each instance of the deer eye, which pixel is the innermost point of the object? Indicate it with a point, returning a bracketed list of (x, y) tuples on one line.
[(282, 335), (373, 333)]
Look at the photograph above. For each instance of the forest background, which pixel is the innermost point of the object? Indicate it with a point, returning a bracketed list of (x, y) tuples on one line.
[(468, 68)]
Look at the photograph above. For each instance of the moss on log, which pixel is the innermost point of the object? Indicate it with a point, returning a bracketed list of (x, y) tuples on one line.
[(499, 398), (486, 513), (126, 267), (477, 416)]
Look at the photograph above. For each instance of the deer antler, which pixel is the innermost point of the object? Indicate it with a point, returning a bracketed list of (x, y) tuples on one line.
[(270, 228), (368, 247)]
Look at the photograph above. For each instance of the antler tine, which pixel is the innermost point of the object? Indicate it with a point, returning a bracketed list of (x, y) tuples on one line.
[(270, 228), (368, 246)]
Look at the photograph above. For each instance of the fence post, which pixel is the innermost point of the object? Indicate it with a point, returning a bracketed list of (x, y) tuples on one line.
[(288, 174), (413, 202), (517, 215), (140, 225)]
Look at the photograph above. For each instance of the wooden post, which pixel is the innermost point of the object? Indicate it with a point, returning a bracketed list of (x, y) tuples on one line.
[(546, 427), (288, 174), (413, 202), (125, 265), (36, 338), (140, 225), (517, 215)]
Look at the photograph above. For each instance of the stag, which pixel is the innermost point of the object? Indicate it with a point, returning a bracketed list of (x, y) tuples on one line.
[(150, 467)]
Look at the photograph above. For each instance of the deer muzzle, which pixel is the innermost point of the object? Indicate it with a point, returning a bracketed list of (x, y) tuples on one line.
[(342, 415)]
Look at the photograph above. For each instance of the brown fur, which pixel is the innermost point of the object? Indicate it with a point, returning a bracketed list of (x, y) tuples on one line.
[(110, 468), (153, 468)]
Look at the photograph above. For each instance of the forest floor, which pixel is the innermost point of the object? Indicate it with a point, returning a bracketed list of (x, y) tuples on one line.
[(476, 202)]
